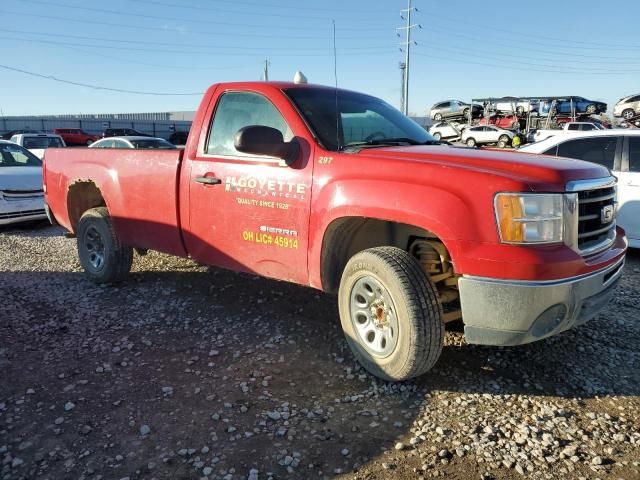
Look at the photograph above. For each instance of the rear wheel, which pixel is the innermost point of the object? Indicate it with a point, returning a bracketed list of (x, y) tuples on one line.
[(628, 114), (390, 314), (471, 142), (102, 256)]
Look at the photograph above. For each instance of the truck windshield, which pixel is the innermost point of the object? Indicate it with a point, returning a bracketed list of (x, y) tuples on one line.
[(361, 120)]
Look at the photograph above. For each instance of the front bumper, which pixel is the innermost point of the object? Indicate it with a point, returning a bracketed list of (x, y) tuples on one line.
[(510, 312)]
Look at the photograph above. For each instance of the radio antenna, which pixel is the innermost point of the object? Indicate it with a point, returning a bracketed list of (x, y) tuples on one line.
[(335, 77)]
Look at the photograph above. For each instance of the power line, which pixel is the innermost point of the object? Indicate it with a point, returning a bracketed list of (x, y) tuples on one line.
[(522, 33), (180, 19), (217, 33), (255, 4), (174, 44), (93, 53), (514, 59), (528, 69), (482, 39), (96, 87), (252, 52)]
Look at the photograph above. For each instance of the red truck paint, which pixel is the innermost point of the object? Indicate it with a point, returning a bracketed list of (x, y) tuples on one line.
[(447, 191), (264, 216)]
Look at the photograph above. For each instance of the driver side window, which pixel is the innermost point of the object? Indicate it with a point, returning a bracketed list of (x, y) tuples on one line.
[(236, 110)]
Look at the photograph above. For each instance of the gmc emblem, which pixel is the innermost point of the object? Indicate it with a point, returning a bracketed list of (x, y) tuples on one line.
[(606, 214)]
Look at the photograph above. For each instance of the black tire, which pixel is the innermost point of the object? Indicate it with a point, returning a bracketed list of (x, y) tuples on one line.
[(437, 117), (501, 144), (591, 109), (628, 114), (437, 136), (95, 234), (504, 138), (420, 329), (471, 142)]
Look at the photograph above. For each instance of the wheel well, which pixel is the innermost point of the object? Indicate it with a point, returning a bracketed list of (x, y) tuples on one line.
[(82, 196), (349, 235)]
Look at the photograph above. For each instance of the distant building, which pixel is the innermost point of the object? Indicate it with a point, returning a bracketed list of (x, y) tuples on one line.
[(160, 124)]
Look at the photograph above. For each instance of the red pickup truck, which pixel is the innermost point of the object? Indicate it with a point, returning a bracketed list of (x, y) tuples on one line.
[(339, 191)]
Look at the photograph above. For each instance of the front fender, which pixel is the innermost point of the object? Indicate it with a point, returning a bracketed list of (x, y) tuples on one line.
[(438, 211)]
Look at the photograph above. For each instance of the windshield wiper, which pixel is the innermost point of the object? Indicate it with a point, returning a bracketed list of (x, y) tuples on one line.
[(382, 142)]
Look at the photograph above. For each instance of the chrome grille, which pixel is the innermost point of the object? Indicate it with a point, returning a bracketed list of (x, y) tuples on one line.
[(596, 218)]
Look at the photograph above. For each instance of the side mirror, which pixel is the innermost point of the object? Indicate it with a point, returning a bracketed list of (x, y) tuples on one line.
[(262, 140)]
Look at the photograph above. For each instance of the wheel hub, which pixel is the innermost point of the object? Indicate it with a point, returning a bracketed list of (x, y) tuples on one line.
[(95, 248), (373, 317)]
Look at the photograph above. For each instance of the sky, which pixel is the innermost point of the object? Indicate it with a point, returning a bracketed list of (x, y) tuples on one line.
[(175, 49)]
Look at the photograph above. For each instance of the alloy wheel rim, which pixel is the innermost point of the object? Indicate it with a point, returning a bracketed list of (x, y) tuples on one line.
[(374, 317), (94, 246)]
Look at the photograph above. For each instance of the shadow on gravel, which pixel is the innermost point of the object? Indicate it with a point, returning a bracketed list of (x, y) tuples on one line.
[(232, 372)]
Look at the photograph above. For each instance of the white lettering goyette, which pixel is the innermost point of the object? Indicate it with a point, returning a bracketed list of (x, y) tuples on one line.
[(261, 186)]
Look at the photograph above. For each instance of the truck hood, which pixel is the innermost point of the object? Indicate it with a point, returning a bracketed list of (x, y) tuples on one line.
[(539, 172), (20, 178)]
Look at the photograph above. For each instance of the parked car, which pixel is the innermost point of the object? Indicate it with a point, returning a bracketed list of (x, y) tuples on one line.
[(133, 142), (122, 132), (483, 134), (447, 130), (577, 105), (508, 122), (616, 149), (21, 194), (408, 233), (508, 105), (8, 135), (75, 136), (569, 127), (454, 109), (179, 138), (37, 143), (627, 107)]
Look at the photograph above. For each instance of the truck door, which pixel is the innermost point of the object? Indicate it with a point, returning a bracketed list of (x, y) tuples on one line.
[(629, 189), (249, 213)]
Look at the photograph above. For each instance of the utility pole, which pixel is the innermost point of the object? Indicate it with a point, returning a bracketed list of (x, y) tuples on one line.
[(407, 48), (266, 70), (403, 71)]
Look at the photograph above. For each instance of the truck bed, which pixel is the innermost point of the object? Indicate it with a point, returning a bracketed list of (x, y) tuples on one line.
[(141, 188)]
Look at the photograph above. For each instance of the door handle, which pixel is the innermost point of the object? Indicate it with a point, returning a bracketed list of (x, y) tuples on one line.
[(208, 180)]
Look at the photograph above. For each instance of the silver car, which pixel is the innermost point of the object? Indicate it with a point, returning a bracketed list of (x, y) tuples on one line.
[(454, 109), (627, 107)]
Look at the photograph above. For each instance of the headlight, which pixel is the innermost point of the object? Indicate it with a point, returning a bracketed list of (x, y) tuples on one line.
[(529, 217)]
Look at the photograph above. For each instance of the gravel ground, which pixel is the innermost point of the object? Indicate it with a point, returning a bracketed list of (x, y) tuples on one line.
[(185, 372)]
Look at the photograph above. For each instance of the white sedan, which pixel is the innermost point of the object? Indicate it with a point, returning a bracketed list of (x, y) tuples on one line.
[(616, 149), (446, 130), (21, 195), (132, 142), (485, 134)]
